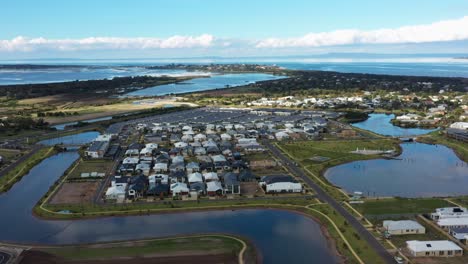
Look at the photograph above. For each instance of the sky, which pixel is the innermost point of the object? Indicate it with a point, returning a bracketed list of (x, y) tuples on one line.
[(193, 28)]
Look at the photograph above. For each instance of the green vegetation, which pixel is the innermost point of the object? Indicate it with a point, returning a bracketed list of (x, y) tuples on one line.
[(112, 209), (400, 206), (438, 137), (360, 246), (9, 154), (14, 175), (217, 244), (88, 166)]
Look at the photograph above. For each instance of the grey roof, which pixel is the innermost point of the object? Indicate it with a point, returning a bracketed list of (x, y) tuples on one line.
[(230, 178)]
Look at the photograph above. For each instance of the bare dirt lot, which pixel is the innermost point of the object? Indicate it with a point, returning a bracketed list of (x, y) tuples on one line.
[(251, 189), (75, 193)]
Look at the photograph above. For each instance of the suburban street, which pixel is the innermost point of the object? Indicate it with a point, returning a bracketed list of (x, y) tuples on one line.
[(322, 195)]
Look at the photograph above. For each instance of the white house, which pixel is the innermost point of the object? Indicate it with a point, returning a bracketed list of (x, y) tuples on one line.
[(449, 223), (403, 227), (450, 212), (281, 135), (214, 188), (160, 167), (195, 177), (280, 184), (460, 125), (130, 160), (437, 248), (179, 188), (211, 176)]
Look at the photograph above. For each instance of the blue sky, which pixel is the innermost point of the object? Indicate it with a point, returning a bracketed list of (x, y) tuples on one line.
[(219, 27)]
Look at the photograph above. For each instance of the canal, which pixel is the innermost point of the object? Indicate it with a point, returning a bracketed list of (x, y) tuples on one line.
[(280, 236)]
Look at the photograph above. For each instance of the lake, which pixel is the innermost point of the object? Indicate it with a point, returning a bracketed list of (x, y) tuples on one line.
[(421, 170), (280, 236), (380, 123), (200, 84)]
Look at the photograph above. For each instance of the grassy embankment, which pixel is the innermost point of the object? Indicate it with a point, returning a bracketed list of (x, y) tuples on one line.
[(337, 152), (14, 175), (438, 137), (151, 248)]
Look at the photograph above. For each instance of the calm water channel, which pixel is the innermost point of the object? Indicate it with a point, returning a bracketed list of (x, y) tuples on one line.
[(280, 236)]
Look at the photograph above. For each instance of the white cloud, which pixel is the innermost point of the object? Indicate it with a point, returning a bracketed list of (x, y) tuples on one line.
[(448, 30), (104, 43)]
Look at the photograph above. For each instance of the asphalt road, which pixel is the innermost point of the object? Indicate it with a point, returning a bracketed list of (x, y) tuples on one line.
[(4, 257), (19, 161), (322, 195)]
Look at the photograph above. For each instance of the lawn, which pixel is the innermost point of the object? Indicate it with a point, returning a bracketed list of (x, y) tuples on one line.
[(360, 246), (400, 206), (203, 244), (88, 166), (112, 209)]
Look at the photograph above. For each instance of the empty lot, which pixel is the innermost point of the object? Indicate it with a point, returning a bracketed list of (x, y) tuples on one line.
[(75, 193)]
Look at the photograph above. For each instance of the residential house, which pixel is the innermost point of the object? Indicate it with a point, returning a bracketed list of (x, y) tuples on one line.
[(403, 227), (437, 248), (280, 184), (214, 188), (231, 183)]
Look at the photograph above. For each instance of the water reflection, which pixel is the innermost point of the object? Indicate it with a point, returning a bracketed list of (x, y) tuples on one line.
[(380, 123), (420, 171)]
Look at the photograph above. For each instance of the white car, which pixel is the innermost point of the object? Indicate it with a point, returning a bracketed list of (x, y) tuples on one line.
[(399, 260)]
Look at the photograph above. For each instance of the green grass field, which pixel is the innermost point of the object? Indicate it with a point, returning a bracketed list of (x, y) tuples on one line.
[(167, 246), (88, 166), (400, 206)]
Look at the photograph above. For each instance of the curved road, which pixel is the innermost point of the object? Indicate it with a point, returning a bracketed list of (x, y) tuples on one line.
[(322, 195)]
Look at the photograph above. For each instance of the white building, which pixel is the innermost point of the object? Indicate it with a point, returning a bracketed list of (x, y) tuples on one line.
[(450, 212), (437, 248), (179, 188), (449, 223), (460, 125), (403, 227)]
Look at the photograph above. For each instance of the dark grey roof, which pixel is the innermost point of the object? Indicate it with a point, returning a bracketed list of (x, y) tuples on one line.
[(230, 178), (277, 178)]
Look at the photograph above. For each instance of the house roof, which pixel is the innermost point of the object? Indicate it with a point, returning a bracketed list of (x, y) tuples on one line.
[(277, 178), (230, 178), (213, 186), (436, 245), (403, 224)]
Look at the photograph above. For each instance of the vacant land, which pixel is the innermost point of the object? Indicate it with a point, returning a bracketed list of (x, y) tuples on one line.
[(400, 206), (196, 249), (75, 193), (88, 166)]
